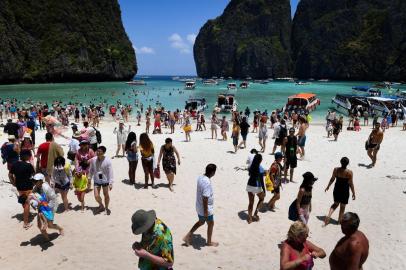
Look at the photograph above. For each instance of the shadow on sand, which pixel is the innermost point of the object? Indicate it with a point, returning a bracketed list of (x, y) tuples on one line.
[(40, 241)]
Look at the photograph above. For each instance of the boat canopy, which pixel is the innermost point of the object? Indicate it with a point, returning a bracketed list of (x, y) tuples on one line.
[(362, 88), (303, 96)]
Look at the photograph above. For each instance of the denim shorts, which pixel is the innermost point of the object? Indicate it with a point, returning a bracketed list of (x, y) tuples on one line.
[(204, 219)]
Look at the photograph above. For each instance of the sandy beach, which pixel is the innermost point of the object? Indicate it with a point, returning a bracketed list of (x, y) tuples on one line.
[(104, 242)]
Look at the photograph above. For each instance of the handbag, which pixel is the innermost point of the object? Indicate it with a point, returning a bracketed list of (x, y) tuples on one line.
[(293, 212), (187, 128), (157, 172), (268, 183)]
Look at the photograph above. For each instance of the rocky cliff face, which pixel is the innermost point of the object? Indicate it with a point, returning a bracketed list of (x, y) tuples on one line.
[(251, 38), (63, 40), (350, 39)]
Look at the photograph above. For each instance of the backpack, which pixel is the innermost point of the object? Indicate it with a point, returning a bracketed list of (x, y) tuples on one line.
[(283, 132), (98, 136)]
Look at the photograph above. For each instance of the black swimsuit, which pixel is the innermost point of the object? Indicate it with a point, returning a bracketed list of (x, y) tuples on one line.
[(341, 191)]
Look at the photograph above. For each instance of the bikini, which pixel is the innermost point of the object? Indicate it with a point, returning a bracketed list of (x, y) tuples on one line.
[(307, 265)]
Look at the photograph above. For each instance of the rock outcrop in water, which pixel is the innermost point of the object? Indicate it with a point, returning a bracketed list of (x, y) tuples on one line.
[(350, 39), (63, 40), (251, 38)]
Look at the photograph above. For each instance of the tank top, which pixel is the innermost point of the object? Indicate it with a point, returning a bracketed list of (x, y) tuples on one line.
[(291, 146)]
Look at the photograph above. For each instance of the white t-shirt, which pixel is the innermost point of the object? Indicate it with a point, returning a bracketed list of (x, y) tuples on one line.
[(250, 159), (204, 189)]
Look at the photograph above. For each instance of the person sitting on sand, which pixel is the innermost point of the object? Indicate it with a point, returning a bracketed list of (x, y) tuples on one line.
[(298, 253), (275, 172), (341, 193), (101, 170), (167, 154), (374, 143), (351, 251), (155, 251), (255, 186), (45, 200), (204, 206)]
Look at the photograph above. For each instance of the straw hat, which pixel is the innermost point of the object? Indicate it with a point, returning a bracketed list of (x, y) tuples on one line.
[(77, 134), (142, 221)]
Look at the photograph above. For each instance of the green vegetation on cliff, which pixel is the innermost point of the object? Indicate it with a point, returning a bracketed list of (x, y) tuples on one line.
[(251, 38), (63, 40)]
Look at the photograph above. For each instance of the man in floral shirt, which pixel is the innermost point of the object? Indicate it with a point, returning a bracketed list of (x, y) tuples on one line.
[(155, 250)]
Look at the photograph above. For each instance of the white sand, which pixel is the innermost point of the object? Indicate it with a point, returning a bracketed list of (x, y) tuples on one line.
[(104, 242)]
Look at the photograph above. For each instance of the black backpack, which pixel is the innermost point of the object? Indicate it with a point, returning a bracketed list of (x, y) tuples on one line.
[(283, 132), (98, 136)]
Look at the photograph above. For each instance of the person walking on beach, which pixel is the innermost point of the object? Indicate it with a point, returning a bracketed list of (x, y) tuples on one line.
[(61, 179), (244, 126), (187, 128), (121, 137), (290, 154), (235, 134), (10, 153), (101, 171), (224, 128), (275, 174), (20, 177), (204, 206), (281, 132), (301, 135), (155, 251), (262, 135), (132, 156), (255, 186), (45, 199), (374, 143), (304, 197), (147, 158), (147, 122), (351, 251), (341, 193), (213, 125), (298, 253), (337, 127), (167, 154)]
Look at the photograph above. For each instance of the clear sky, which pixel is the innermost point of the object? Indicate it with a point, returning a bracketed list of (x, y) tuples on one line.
[(163, 32)]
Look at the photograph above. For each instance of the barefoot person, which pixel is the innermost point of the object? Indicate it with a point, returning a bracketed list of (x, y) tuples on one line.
[(147, 158), (155, 251), (298, 253), (62, 178), (301, 135), (45, 198), (374, 143), (167, 154), (290, 154), (132, 156), (341, 193), (121, 134), (352, 250), (262, 135), (204, 206), (275, 175), (255, 186), (244, 126), (101, 171), (304, 197), (20, 176)]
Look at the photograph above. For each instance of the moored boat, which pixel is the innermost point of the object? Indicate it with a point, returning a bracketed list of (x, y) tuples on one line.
[(244, 85), (225, 103), (136, 82), (195, 105), (308, 101), (190, 85), (232, 86)]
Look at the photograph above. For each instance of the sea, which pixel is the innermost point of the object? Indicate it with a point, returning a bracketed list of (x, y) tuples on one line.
[(172, 95)]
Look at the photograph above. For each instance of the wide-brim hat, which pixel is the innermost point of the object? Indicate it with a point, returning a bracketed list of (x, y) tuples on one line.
[(84, 142), (142, 221), (11, 137), (310, 176), (38, 177), (77, 134), (27, 135)]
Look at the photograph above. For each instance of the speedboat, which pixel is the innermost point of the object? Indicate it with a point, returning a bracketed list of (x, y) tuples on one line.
[(383, 104), (190, 85), (196, 105), (210, 82), (301, 83), (225, 103), (232, 86), (345, 103), (368, 90), (244, 85), (136, 82), (306, 101)]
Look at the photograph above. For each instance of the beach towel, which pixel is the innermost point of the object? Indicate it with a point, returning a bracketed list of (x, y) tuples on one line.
[(55, 150)]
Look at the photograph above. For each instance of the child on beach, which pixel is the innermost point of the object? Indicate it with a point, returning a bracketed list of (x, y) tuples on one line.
[(80, 184)]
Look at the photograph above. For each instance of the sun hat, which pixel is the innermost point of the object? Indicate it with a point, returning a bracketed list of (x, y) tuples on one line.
[(11, 137), (292, 129), (38, 177), (278, 155), (77, 134), (142, 221), (121, 122), (310, 176), (27, 135)]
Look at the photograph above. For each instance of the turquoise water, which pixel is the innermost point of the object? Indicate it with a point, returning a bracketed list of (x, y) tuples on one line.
[(257, 96)]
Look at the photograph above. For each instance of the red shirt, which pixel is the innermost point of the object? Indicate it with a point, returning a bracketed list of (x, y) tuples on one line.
[(43, 153)]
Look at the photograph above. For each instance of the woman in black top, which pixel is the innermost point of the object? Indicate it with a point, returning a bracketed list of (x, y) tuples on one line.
[(341, 193), (304, 197), (256, 186), (244, 126)]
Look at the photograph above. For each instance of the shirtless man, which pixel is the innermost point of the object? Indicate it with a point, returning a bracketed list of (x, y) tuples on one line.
[(374, 143), (301, 136), (351, 251)]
